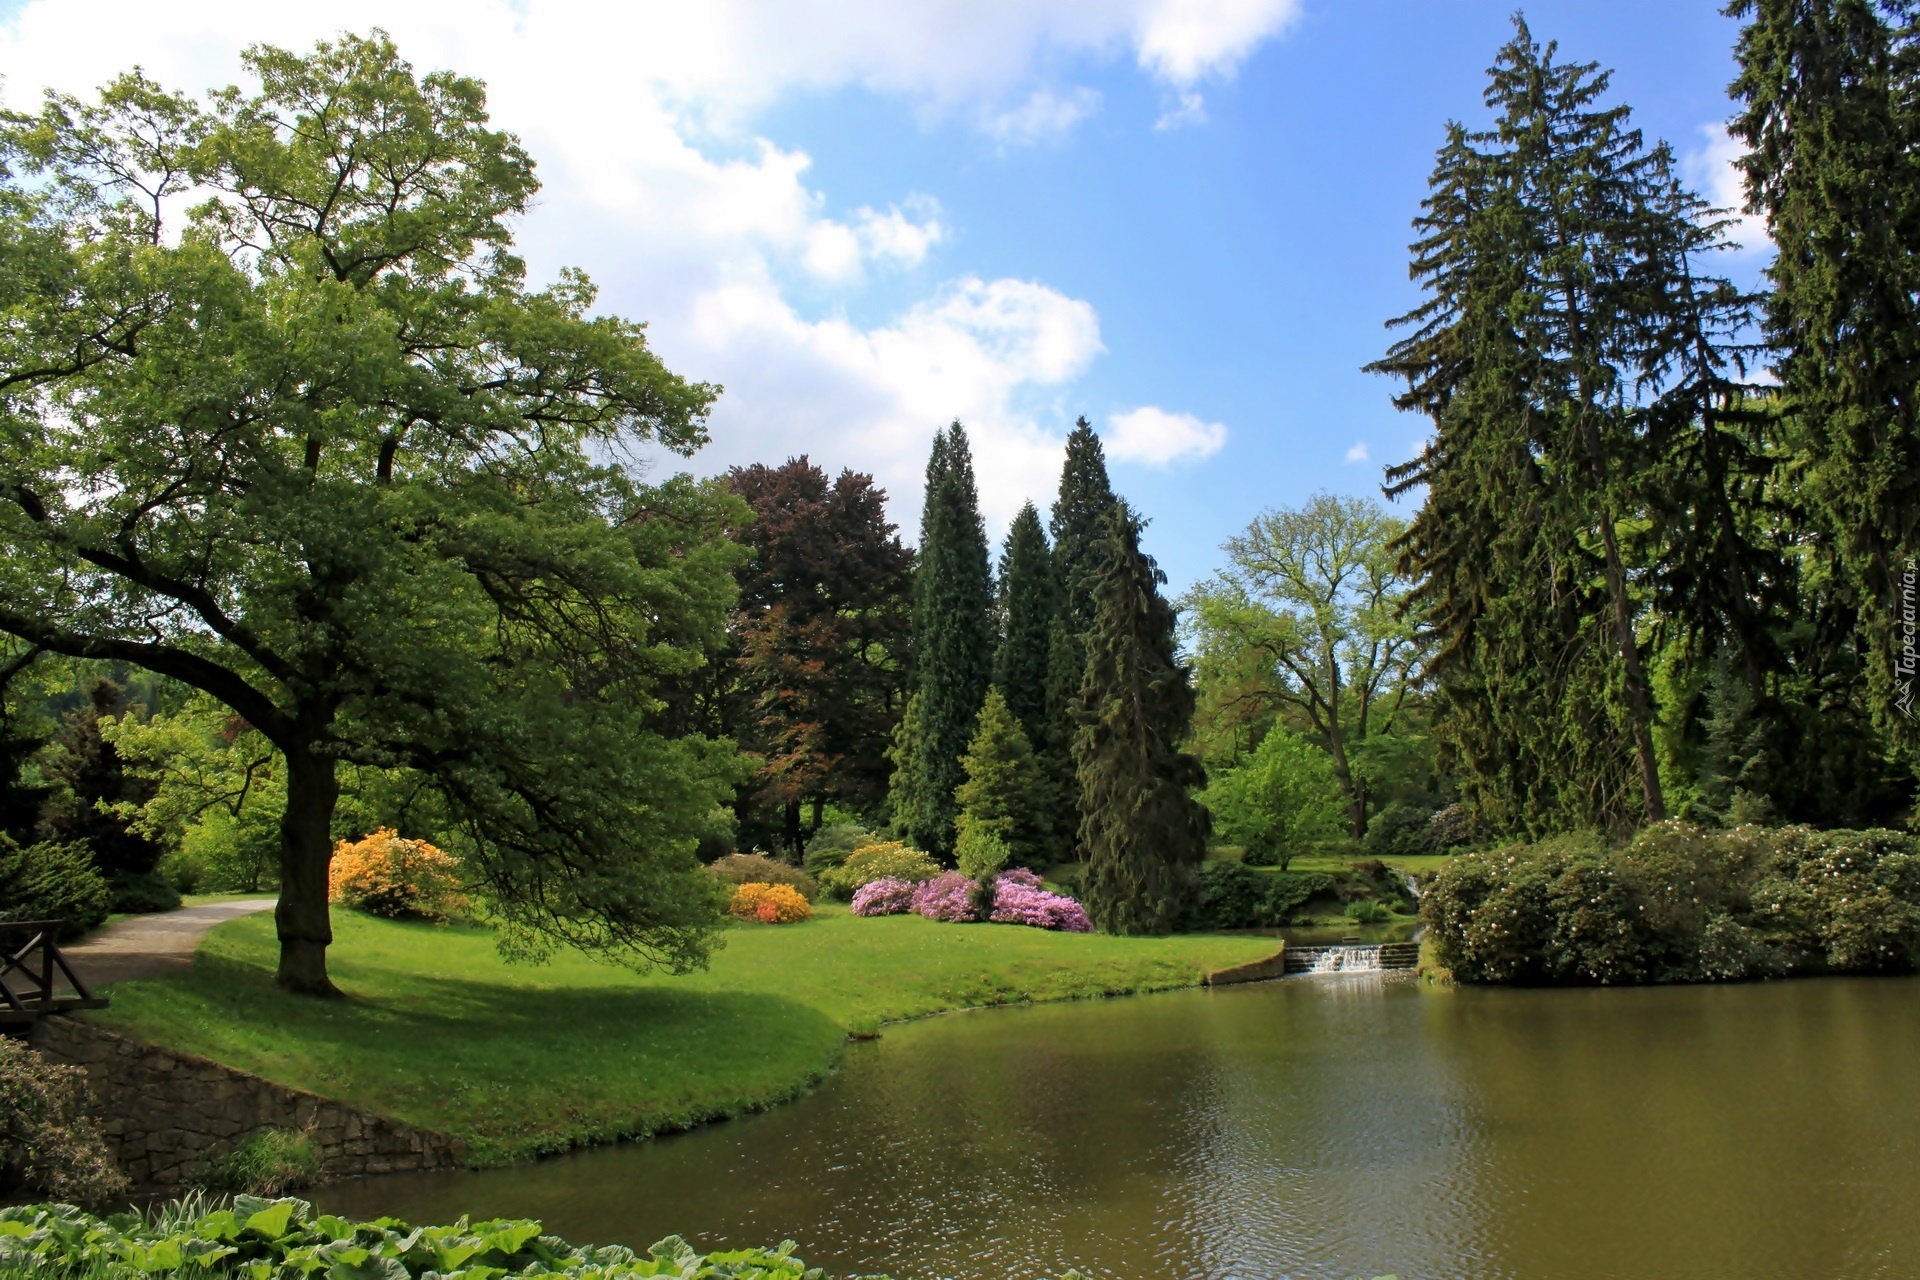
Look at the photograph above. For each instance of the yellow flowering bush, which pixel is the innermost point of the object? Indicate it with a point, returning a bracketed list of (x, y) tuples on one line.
[(770, 904), (386, 874)]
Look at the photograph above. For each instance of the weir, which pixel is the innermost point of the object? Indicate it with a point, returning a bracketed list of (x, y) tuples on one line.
[(1353, 958)]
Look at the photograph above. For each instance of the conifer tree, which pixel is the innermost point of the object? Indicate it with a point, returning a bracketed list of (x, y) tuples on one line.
[(952, 635), (1029, 603), (1830, 107), (1141, 831), (1581, 374), (906, 798), (1004, 796), (1079, 526)]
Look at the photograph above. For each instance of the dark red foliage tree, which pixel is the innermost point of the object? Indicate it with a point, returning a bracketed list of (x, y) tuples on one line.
[(822, 639)]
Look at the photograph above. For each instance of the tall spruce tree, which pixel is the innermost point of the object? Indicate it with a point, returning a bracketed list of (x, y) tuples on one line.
[(1830, 108), (1575, 362), (952, 636), (1141, 831), (1004, 796)]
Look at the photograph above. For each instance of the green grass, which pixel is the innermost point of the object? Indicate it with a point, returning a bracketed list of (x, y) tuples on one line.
[(437, 1031)]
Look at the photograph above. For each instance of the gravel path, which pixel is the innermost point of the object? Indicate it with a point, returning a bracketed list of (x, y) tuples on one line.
[(148, 946)]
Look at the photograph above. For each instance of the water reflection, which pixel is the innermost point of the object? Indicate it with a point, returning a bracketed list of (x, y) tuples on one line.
[(1323, 1127)]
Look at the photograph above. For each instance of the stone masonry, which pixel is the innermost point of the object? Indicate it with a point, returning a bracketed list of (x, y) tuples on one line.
[(168, 1114)]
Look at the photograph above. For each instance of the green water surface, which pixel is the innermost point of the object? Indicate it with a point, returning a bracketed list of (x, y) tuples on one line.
[(1314, 1127)]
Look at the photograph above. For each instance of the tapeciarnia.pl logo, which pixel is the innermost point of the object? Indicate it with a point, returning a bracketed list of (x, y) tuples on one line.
[(1908, 658)]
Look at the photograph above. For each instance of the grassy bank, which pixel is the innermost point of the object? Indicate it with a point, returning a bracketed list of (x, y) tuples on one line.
[(439, 1032)]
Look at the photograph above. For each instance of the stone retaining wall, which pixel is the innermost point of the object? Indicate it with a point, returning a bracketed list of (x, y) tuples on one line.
[(169, 1114), (1273, 966)]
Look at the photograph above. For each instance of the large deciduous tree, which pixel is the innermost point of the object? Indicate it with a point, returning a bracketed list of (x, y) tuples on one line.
[(823, 633), (323, 455), (1313, 597), (952, 639), (1141, 831)]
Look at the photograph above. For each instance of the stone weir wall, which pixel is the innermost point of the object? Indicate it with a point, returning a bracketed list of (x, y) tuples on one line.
[(168, 1115)]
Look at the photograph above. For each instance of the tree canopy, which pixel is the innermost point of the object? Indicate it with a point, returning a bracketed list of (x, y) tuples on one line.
[(322, 454)]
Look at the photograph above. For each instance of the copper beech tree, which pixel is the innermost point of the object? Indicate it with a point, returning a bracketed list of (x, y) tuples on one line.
[(317, 450)]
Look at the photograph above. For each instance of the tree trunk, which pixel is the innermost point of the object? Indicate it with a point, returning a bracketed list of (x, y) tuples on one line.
[(1639, 705), (306, 847)]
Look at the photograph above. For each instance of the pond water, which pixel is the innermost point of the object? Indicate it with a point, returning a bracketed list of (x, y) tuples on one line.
[(1313, 1127)]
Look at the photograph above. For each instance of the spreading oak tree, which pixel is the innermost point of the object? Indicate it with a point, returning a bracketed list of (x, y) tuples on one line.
[(319, 451)]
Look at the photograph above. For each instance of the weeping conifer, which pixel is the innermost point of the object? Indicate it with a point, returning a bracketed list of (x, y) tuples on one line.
[(1582, 375), (1141, 832), (1829, 92), (952, 638)]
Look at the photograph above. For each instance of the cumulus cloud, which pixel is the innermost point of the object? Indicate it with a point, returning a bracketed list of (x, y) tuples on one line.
[(1156, 438), (1712, 169), (1047, 115), (1359, 452), (656, 180)]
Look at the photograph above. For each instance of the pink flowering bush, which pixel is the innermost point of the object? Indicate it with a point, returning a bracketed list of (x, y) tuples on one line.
[(887, 896), (947, 897), (1019, 899)]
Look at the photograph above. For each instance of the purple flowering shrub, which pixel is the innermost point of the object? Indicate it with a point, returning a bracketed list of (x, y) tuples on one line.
[(887, 896), (947, 897), (1019, 899)]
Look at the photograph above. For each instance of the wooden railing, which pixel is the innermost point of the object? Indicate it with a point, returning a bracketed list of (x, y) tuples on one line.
[(31, 968)]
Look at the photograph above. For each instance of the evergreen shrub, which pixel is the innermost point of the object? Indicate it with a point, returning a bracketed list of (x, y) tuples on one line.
[(1680, 904), (143, 894), (52, 881), (1400, 831), (833, 842), (757, 868)]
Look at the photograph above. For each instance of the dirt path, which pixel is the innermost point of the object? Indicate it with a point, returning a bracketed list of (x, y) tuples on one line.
[(148, 946)]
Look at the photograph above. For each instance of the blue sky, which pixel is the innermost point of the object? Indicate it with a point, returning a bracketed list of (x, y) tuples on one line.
[(1186, 219)]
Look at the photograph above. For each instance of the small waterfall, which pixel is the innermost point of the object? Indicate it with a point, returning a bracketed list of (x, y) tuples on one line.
[(1348, 960), (1413, 886)]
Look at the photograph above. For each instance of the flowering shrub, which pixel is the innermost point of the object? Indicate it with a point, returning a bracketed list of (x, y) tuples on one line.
[(1680, 904), (887, 896), (872, 862), (385, 874), (770, 904), (49, 1139), (758, 868), (1019, 899), (947, 897)]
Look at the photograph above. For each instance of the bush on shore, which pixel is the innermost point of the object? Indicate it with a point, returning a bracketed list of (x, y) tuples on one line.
[(1680, 904), (50, 1143), (877, 861), (769, 904)]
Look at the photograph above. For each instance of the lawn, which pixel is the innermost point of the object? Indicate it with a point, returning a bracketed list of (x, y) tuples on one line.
[(518, 1060)]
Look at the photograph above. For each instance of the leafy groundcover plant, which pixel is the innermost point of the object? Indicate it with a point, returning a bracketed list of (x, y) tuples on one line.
[(255, 1239)]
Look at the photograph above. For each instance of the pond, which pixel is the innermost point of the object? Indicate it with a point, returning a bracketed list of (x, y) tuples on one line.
[(1313, 1127)]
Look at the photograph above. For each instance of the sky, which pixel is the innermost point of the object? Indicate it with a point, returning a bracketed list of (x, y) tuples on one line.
[(1185, 220)]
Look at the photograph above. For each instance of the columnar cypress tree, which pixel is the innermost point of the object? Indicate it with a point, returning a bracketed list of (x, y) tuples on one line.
[(952, 635), (1141, 831), (1830, 97), (1029, 603), (1079, 526)]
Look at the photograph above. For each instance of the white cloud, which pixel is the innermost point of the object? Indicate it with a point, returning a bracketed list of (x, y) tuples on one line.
[(1152, 436), (1359, 452), (1046, 116), (1182, 41), (1186, 108), (1713, 171), (642, 117)]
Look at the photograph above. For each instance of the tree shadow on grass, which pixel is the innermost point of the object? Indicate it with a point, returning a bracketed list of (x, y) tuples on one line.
[(515, 1069)]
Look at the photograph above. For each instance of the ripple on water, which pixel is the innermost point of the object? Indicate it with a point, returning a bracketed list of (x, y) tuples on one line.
[(1314, 1127)]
